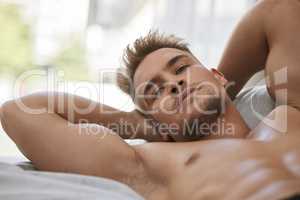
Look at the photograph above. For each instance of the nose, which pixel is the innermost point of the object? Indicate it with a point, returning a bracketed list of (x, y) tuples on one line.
[(175, 89)]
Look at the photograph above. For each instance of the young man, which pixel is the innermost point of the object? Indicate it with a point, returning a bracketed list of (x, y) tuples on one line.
[(171, 87), (264, 166)]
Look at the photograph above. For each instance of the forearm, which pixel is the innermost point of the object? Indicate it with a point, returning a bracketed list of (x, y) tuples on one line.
[(129, 125)]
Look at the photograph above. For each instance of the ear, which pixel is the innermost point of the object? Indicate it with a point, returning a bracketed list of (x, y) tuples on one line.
[(219, 76)]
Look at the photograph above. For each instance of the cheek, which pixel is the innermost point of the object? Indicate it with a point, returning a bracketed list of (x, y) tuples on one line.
[(198, 74)]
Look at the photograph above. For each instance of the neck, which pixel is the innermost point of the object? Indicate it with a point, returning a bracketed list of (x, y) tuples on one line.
[(231, 123)]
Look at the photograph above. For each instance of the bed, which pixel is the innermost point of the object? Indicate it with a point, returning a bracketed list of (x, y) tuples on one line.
[(21, 181)]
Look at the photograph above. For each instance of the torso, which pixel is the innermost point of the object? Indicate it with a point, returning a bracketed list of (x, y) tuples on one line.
[(267, 165), (231, 168)]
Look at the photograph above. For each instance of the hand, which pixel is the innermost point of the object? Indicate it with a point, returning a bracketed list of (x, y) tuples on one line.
[(143, 128)]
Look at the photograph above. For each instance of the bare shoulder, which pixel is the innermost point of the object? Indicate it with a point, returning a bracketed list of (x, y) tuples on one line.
[(279, 11), (274, 3)]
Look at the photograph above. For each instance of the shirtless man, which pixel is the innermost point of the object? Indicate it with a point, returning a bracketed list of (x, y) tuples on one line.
[(264, 166)]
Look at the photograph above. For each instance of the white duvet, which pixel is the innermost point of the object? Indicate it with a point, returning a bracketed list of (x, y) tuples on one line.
[(19, 184)]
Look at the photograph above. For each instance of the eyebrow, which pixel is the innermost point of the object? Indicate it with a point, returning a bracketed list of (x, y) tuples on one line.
[(173, 60), (169, 64)]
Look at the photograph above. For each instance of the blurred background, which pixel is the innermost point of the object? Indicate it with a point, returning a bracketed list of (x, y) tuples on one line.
[(69, 46)]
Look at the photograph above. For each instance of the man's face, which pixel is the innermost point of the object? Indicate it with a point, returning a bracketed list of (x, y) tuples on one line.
[(173, 87)]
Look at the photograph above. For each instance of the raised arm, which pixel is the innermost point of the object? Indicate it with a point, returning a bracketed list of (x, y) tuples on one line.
[(247, 50), (52, 143), (77, 109)]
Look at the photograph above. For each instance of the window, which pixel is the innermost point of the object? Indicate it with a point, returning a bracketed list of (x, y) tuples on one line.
[(79, 38)]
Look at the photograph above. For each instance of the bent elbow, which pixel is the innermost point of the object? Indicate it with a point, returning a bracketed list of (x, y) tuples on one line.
[(7, 114)]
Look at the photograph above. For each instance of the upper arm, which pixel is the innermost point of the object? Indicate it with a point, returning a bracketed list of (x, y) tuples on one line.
[(54, 144), (247, 49)]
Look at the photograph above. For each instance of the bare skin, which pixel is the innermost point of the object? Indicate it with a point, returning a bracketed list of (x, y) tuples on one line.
[(264, 166), (271, 46), (242, 169)]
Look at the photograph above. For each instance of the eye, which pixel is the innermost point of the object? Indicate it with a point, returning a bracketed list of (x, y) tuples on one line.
[(181, 69)]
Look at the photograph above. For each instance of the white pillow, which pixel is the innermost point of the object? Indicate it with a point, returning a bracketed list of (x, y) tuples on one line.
[(254, 104)]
